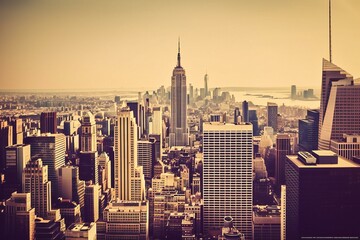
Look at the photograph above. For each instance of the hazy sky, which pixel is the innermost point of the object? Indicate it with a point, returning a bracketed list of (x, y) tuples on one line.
[(133, 44)]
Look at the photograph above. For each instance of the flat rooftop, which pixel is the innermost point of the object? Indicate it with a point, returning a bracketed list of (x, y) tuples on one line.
[(342, 162)]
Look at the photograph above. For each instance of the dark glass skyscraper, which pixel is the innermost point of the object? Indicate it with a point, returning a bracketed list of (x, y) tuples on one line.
[(48, 123), (309, 130)]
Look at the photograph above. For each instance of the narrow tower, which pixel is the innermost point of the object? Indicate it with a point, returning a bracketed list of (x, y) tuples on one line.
[(178, 127)]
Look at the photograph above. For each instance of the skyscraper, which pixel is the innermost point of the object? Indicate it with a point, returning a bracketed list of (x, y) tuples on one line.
[(206, 89), (309, 131), (6, 139), (19, 217), (293, 91), (178, 126), (145, 159), (272, 111), (51, 149), (236, 115), (35, 181), (245, 111), (18, 135), (339, 105), (227, 176), (88, 133), (283, 148), (91, 199), (48, 122), (129, 177), (322, 196)]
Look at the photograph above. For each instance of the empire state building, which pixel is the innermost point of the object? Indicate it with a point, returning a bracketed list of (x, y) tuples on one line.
[(178, 125)]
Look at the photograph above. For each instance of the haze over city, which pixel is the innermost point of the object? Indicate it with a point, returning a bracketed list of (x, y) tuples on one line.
[(97, 44)]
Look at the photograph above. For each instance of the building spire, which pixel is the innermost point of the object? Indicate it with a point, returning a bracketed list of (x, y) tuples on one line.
[(178, 57)]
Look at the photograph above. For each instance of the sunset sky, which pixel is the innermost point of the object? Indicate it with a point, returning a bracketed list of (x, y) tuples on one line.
[(133, 44)]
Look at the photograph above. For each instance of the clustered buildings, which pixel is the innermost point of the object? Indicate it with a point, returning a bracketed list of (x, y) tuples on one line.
[(185, 164)]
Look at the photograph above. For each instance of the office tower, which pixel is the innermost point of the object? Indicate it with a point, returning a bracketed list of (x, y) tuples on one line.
[(6, 139), (48, 229), (105, 165), (322, 196), (191, 94), (266, 222), (129, 177), (283, 213), (206, 89), (283, 148), (293, 91), (195, 206), (48, 122), (69, 210), (272, 111), (227, 176), (71, 127), (125, 220), (78, 231), (157, 121), (18, 135), (51, 149), (16, 157), (88, 133), (348, 146), (138, 109), (106, 123), (35, 182), (70, 186), (178, 126), (89, 166), (145, 158), (19, 217), (339, 105), (117, 99), (245, 111), (236, 115), (309, 131), (253, 119), (91, 211)]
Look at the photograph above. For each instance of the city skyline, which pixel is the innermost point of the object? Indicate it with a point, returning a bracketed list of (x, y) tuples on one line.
[(107, 44)]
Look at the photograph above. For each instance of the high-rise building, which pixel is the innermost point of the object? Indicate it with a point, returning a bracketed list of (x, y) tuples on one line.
[(6, 139), (88, 133), (35, 182), (18, 135), (283, 148), (19, 217), (236, 115), (69, 210), (322, 193), (309, 131), (89, 166), (293, 91), (105, 165), (339, 105), (129, 177), (145, 158), (272, 112), (266, 222), (48, 122), (245, 111), (51, 149), (347, 147), (227, 176), (138, 109), (70, 186), (157, 121), (283, 213), (206, 89), (91, 199), (253, 119), (125, 220), (16, 157), (48, 229), (178, 125)]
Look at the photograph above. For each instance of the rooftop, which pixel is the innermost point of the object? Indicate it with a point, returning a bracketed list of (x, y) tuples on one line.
[(342, 162)]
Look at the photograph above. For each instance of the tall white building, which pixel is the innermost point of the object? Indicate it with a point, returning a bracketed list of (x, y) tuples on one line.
[(157, 122), (88, 133), (178, 126), (227, 176), (129, 177), (70, 186), (35, 181)]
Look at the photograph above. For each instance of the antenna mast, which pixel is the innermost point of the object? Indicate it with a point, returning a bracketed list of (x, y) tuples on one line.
[(330, 51)]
